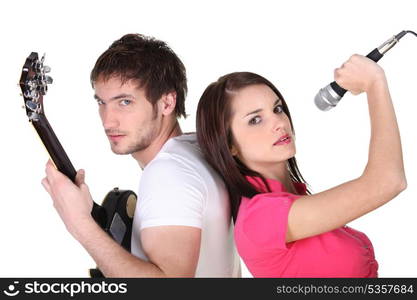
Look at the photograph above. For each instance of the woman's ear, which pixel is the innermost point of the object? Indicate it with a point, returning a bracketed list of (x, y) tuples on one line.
[(233, 150)]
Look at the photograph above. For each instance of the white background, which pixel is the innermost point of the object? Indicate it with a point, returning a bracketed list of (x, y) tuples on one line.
[(295, 44)]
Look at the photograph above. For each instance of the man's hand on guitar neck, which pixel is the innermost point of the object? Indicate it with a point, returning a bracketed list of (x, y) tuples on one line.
[(173, 250), (73, 202)]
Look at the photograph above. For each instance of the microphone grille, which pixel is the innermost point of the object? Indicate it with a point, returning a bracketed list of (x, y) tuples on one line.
[(326, 98)]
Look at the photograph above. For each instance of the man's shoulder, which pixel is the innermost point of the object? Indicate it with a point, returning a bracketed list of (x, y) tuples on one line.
[(183, 145), (176, 169), (179, 171), (180, 159), (179, 155), (181, 151)]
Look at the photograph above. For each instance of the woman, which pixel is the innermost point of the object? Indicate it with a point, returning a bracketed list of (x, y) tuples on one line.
[(281, 230)]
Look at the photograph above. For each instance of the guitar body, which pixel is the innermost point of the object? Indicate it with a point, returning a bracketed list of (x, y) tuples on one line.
[(120, 205), (115, 214)]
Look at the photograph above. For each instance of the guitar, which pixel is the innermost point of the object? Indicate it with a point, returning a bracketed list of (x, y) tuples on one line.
[(115, 214)]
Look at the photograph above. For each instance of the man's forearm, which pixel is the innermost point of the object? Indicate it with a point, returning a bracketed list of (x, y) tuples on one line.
[(111, 258)]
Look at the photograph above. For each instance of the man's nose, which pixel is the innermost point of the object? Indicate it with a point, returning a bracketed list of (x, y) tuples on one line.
[(109, 118)]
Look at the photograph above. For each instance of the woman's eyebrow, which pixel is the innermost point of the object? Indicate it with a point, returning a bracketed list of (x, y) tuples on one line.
[(254, 112), (278, 101)]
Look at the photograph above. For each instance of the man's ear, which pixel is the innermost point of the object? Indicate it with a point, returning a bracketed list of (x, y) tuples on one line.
[(168, 102)]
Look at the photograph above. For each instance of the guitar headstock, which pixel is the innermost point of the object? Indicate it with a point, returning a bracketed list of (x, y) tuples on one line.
[(34, 85)]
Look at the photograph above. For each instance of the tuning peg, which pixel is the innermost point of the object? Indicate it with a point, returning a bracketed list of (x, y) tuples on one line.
[(46, 69), (33, 106), (29, 94), (48, 79)]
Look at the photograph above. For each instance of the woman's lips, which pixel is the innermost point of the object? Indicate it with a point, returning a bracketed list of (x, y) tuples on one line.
[(284, 140)]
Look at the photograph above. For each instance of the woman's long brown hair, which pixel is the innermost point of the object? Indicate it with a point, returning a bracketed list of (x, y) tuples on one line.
[(215, 136)]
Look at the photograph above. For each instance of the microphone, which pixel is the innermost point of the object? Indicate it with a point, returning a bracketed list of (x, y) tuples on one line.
[(329, 96)]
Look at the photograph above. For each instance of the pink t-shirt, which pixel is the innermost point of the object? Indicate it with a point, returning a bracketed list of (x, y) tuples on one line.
[(260, 232)]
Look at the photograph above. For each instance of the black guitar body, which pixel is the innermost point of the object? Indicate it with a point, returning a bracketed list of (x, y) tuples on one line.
[(115, 215), (120, 206)]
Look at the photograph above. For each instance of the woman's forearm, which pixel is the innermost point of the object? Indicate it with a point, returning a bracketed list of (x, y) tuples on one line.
[(385, 162)]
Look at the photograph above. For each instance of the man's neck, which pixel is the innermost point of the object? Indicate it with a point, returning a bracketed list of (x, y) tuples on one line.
[(145, 156)]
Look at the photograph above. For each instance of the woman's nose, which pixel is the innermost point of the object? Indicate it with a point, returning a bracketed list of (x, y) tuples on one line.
[(277, 123)]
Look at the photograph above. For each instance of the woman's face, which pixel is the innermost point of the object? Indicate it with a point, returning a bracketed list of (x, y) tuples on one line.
[(262, 135)]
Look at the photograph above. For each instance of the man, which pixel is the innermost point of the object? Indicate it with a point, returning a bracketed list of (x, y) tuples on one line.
[(182, 225)]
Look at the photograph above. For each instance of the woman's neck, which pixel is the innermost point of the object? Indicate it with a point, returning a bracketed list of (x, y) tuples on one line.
[(280, 173)]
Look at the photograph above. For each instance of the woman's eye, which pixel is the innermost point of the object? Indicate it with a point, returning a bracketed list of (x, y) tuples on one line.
[(125, 102), (255, 120), (278, 109)]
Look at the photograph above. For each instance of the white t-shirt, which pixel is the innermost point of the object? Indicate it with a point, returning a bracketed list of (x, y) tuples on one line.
[(178, 187)]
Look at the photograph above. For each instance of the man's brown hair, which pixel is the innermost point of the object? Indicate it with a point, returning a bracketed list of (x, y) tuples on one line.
[(149, 62)]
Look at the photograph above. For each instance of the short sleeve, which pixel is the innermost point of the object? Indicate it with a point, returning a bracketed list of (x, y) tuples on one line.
[(170, 193), (263, 221)]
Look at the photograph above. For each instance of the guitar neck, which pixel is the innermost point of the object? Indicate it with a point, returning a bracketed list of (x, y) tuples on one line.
[(34, 84), (54, 147), (62, 161)]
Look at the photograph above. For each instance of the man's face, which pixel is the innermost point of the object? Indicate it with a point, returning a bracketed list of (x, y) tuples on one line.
[(129, 119)]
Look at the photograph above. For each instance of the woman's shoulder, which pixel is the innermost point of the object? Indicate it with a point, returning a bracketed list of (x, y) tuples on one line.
[(275, 186)]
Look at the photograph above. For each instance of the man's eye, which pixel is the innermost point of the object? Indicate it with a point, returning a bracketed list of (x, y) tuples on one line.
[(99, 102), (125, 102), (255, 120), (278, 109)]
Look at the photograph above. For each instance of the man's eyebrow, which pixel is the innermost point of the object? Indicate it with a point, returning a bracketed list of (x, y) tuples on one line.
[(260, 109), (120, 96)]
